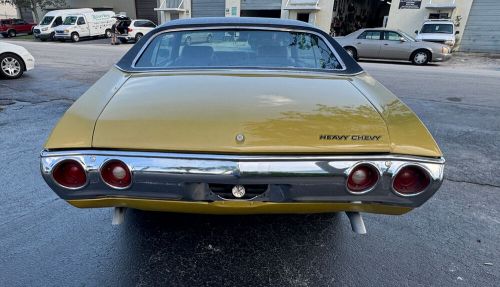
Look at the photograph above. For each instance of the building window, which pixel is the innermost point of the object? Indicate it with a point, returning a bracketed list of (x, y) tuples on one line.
[(304, 17), (439, 16)]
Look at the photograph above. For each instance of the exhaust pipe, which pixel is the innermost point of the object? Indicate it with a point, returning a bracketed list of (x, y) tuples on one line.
[(357, 224), (118, 215)]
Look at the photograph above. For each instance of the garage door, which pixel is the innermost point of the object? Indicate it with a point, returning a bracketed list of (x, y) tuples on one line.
[(261, 5), (145, 9), (208, 8), (482, 32)]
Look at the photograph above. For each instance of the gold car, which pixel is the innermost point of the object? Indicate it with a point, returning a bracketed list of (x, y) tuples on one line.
[(278, 120)]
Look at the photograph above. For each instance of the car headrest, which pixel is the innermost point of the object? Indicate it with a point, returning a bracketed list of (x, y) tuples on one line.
[(197, 52), (272, 51)]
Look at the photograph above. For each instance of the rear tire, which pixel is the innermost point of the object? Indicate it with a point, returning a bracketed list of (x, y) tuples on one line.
[(352, 52), (421, 57), (108, 34), (12, 33), (138, 36), (75, 37), (11, 66)]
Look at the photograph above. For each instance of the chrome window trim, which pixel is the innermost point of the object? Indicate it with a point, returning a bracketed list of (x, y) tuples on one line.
[(339, 59)]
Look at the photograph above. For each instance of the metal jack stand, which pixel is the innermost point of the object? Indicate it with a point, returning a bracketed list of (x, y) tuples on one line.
[(357, 224), (118, 215)]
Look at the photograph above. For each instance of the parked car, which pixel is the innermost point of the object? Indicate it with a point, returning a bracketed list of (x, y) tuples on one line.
[(95, 24), (46, 29), (293, 125), (14, 61), (439, 31), (381, 43), (12, 27), (134, 30)]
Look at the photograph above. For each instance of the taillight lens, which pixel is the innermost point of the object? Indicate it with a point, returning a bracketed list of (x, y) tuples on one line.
[(411, 180), (70, 173), (116, 174), (362, 178), (129, 29)]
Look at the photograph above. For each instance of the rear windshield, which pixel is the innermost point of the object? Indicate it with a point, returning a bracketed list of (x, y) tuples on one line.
[(238, 48), (4, 22), (437, 28)]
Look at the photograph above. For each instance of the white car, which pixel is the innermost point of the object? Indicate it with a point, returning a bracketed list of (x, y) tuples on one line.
[(133, 30), (14, 61)]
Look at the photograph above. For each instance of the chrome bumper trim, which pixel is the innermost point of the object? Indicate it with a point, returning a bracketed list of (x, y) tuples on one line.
[(186, 177)]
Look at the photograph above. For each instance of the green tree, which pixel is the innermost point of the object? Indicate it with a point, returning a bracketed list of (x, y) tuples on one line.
[(35, 5)]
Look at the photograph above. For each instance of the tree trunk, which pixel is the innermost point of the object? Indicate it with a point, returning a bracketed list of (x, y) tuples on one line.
[(34, 8)]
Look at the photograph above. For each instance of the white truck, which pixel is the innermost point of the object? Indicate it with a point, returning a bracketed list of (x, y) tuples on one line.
[(439, 31), (46, 29), (77, 26)]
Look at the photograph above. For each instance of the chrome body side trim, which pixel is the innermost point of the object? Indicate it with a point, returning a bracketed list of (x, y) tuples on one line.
[(289, 178)]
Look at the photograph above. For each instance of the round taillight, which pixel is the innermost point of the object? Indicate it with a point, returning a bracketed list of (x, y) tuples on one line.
[(411, 180), (362, 178), (70, 174), (116, 174)]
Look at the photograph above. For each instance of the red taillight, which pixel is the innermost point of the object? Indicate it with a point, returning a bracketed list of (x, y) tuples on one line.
[(362, 178), (129, 30), (411, 180), (116, 174), (70, 173)]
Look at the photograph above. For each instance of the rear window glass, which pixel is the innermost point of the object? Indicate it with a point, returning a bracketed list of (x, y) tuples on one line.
[(238, 48), (437, 28)]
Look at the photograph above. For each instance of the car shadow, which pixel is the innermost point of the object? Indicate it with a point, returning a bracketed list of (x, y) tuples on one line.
[(188, 250)]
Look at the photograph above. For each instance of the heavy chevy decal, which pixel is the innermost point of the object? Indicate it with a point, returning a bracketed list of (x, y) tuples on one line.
[(350, 137)]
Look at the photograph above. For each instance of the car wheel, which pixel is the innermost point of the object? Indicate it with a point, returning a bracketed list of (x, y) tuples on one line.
[(108, 34), (352, 52), (420, 57), (138, 36), (11, 66), (75, 37), (188, 41), (12, 33), (52, 36)]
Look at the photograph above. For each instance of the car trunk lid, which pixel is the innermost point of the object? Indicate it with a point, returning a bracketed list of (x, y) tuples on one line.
[(244, 113)]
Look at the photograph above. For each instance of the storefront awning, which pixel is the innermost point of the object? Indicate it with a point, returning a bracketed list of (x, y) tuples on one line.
[(302, 5), (171, 6)]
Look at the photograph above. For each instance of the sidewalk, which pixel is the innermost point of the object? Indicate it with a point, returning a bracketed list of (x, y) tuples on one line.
[(475, 60)]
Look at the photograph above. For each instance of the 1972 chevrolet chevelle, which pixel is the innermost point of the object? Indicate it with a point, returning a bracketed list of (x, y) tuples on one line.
[(268, 116)]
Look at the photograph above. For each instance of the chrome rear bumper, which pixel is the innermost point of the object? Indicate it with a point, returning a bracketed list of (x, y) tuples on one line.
[(287, 179)]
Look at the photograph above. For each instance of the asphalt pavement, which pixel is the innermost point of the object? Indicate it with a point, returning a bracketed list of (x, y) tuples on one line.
[(453, 240)]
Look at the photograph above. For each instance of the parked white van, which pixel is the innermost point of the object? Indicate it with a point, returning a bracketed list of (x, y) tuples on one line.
[(79, 26), (45, 30), (439, 31)]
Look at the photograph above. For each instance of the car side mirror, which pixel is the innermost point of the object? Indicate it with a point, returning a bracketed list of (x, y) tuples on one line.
[(402, 39), (457, 32), (416, 31)]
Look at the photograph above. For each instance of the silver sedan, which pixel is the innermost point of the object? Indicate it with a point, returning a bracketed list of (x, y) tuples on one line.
[(381, 43)]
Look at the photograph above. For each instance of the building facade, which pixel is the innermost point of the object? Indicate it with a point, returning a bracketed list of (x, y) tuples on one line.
[(478, 21), (8, 11)]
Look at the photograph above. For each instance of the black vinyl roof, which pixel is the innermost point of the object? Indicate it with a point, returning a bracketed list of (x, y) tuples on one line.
[(126, 62)]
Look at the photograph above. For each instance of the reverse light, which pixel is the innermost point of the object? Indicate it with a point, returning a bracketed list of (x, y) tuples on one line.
[(362, 178), (411, 180), (116, 174), (70, 174)]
